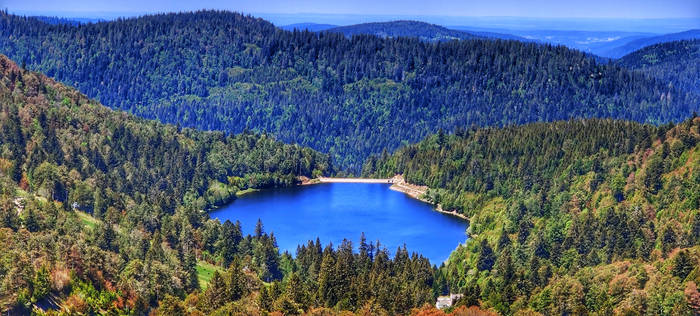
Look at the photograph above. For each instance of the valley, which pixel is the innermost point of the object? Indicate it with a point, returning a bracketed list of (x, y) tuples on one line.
[(335, 211), (212, 163)]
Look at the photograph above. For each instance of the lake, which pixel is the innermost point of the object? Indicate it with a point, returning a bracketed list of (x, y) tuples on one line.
[(333, 211)]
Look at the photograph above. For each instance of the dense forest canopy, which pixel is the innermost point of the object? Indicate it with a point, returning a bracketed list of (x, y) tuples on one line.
[(349, 97), (55, 140), (102, 212), (421, 30), (676, 63), (567, 218), (575, 212)]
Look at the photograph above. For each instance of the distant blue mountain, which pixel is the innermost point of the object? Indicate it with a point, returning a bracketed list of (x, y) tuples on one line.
[(70, 21), (503, 36), (593, 42), (424, 31), (313, 27), (639, 43)]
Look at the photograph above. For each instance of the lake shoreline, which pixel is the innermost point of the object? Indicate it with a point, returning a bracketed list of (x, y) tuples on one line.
[(398, 184), (418, 192), (333, 212)]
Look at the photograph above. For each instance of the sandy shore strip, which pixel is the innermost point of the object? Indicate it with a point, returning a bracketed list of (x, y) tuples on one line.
[(397, 184), (418, 192), (354, 180)]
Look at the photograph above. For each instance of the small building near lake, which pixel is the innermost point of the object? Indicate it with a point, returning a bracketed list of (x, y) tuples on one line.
[(446, 301)]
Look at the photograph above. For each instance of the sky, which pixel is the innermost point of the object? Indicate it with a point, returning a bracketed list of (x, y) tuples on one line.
[(625, 9)]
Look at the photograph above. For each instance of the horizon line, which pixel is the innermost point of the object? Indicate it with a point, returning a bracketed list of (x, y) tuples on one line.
[(131, 14)]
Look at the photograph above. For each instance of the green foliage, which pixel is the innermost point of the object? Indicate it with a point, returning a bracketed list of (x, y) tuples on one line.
[(683, 264), (421, 30), (205, 272), (583, 214), (349, 97), (674, 63), (115, 206), (486, 256), (41, 285)]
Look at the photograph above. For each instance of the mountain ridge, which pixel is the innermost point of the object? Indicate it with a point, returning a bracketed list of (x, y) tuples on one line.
[(641, 43), (217, 70), (675, 63), (403, 28)]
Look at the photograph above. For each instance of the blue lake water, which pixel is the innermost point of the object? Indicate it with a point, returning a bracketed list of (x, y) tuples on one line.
[(333, 211)]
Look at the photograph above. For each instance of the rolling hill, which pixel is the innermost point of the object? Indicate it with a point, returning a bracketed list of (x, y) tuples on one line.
[(567, 218), (349, 97), (424, 31), (313, 27), (675, 63), (101, 210), (637, 44)]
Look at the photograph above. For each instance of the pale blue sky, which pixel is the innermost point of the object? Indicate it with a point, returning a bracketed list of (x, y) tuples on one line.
[(628, 9)]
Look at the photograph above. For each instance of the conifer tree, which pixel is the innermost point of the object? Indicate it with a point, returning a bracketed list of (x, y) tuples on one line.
[(486, 256)]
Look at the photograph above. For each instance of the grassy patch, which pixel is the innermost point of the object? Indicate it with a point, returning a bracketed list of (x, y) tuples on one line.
[(246, 191), (87, 220), (205, 271)]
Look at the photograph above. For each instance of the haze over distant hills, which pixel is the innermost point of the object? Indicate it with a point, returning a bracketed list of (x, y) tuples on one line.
[(609, 44), (605, 37), (421, 30), (641, 42), (655, 26), (615, 42), (424, 31), (313, 27)]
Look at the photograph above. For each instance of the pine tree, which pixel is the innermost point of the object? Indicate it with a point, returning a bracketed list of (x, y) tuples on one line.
[(190, 266), (31, 221), (8, 216), (653, 172), (106, 237), (229, 238), (326, 278), (295, 291), (259, 230), (683, 264), (41, 284), (486, 256), (264, 299), (503, 240), (695, 229), (215, 295), (504, 265), (155, 251), (235, 281)]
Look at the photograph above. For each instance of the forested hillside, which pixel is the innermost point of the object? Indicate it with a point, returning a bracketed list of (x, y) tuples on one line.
[(101, 212), (313, 27), (577, 217), (421, 30), (638, 44), (349, 97), (675, 63)]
